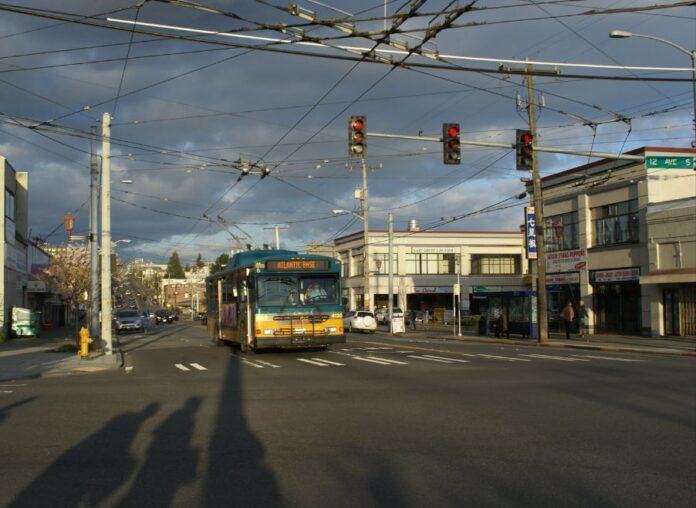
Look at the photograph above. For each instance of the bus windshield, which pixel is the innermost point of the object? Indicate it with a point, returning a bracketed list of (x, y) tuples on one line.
[(290, 290)]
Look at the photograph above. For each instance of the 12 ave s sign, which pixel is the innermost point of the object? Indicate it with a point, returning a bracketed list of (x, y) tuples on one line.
[(669, 162)]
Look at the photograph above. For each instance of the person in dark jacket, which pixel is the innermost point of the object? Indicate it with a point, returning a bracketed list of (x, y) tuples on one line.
[(412, 318), (568, 315)]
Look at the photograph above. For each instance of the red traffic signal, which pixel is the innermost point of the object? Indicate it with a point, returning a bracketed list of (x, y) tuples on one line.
[(451, 144), (523, 149), (357, 136)]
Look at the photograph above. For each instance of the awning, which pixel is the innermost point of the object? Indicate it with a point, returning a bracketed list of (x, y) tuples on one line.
[(672, 276)]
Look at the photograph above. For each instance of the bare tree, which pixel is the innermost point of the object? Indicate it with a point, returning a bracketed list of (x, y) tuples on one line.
[(69, 275)]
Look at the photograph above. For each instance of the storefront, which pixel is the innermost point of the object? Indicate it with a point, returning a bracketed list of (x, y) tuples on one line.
[(617, 300), (561, 288)]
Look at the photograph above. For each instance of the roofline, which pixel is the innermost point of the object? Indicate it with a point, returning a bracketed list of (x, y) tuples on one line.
[(428, 231)]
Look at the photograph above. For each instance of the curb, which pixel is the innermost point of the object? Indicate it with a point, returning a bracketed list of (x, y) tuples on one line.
[(562, 345)]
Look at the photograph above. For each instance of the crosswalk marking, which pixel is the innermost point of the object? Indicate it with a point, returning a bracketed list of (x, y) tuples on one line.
[(318, 364), (182, 367), (247, 362), (198, 366), (371, 360), (329, 362), (560, 358), (456, 360), (505, 358), (268, 364), (609, 358), (429, 359), (388, 360)]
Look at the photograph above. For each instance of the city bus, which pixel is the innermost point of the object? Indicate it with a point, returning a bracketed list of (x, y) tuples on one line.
[(276, 299)]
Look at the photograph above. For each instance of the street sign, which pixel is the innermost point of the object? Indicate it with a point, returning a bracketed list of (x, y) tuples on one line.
[(669, 162)]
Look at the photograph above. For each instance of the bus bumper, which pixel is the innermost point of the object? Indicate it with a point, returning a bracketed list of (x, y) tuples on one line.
[(299, 341)]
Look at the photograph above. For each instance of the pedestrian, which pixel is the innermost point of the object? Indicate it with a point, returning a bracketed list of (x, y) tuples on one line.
[(582, 319), (501, 327), (412, 317), (568, 315)]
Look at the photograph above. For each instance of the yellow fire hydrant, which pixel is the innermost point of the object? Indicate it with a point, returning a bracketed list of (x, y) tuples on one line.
[(85, 341)]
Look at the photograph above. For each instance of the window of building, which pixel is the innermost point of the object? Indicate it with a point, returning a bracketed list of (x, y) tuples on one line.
[(357, 265), (561, 232), (345, 265), (10, 206), (381, 266), (438, 264), (615, 224), (495, 264)]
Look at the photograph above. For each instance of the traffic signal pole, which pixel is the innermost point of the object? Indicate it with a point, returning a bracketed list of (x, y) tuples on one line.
[(106, 236), (542, 322), (367, 298)]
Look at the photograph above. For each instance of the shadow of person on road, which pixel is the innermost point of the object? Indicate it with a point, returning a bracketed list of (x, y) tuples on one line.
[(170, 463), (5, 410), (64, 483)]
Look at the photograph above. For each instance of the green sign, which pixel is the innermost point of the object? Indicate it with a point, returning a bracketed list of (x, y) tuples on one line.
[(667, 162)]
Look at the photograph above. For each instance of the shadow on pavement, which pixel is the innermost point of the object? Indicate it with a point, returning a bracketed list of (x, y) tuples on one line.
[(5, 410), (66, 481)]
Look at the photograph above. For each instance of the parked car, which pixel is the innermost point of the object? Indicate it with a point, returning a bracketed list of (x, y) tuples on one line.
[(361, 320), (163, 316), (129, 321)]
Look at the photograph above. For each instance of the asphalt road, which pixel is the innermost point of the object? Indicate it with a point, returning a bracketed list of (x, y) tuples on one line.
[(381, 421)]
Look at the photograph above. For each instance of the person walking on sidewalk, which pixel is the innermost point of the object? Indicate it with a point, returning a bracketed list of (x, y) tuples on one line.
[(582, 319), (568, 315), (412, 318)]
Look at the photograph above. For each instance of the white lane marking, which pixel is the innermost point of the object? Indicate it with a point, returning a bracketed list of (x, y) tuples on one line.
[(380, 362), (429, 359), (446, 358), (6, 391), (128, 370), (318, 364), (182, 367), (198, 366), (11, 386), (268, 364), (388, 360), (247, 362), (560, 358), (329, 362), (609, 358), (506, 358)]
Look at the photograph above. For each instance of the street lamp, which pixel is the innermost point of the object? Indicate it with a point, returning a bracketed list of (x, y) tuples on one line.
[(366, 256), (621, 34)]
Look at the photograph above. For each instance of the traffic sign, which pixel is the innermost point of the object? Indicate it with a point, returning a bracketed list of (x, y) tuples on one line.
[(669, 162)]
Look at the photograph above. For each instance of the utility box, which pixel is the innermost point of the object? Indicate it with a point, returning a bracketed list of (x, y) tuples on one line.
[(24, 322)]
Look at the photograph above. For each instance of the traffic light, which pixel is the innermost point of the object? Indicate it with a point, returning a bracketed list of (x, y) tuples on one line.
[(523, 147), (357, 136), (451, 145)]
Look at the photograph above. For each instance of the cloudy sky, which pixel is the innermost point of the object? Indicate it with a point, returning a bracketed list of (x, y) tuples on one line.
[(189, 113)]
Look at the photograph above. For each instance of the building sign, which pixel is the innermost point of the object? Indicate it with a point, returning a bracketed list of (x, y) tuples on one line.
[(297, 265), (620, 275), (432, 289), (566, 261), (530, 235), (36, 286), (563, 278), (433, 250)]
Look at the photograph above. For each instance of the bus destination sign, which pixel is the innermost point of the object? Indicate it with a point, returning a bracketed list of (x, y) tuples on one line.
[(297, 265)]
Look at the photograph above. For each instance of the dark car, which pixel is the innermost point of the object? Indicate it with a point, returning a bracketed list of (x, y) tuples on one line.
[(163, 316)]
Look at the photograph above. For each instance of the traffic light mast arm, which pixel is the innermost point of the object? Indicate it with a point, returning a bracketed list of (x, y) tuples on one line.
[(599, 155)]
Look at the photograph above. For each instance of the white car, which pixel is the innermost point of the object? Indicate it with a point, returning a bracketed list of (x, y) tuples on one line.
[(360, 320)]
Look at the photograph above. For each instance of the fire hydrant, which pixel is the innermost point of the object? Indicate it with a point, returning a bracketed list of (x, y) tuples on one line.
[(85, 341)]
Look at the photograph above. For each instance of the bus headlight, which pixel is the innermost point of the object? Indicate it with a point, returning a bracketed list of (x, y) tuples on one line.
[(330, 329), (268, 332)]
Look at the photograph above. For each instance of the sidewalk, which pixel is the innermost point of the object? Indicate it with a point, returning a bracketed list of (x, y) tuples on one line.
[(682, 346), (37, 357)]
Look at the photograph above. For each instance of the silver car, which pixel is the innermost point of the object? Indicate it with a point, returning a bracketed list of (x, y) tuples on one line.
[(130, 321)]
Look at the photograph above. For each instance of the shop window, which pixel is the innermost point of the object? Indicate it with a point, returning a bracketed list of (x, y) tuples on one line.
[(492, 264), (616, 224), (381, 266), (357, 266), (430, 264), (561, 232)]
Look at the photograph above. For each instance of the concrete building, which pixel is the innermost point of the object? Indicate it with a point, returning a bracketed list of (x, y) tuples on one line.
[(426, 264), (13, 238), (623, 238)]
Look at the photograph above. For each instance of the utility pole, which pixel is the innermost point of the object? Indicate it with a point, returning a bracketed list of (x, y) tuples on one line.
[(539, 216), (93, 237), (367, 297), (106, 236), (277, 235), (390, 266)]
